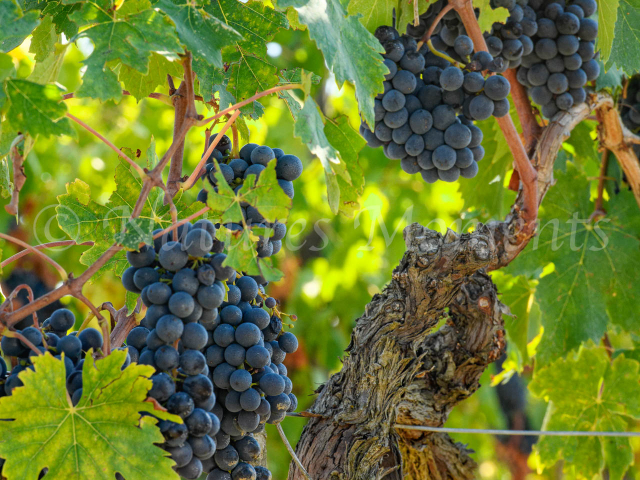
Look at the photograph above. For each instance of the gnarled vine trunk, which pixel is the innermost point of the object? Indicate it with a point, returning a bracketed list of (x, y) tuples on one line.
[(402, 368), (422, 345)]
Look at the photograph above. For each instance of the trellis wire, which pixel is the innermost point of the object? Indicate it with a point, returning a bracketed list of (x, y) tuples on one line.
[(489, 431)]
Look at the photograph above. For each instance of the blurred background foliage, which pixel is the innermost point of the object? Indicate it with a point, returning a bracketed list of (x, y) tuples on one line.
[(332, 264)]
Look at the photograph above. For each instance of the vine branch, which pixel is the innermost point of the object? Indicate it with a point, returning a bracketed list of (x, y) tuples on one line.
[(527, 173), (42, 255), (17, 160)]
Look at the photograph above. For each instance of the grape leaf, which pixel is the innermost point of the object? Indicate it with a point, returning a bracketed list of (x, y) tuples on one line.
[(140, 85), (5, 179), (350, 51), (59, 13), (349, 143), (265, 194), (493, 198), (250, 75), (407, 16), (15, 26), (242, 255), (129, 39), (518, 294), (373, 13), (43, 40), (488, 15), (624, 53), (7, 68), (83, 219), (36, 109), (595, 266), (255, 21), (101, 436), (588, 392), (611, 78), (202, 33), (607, 16)]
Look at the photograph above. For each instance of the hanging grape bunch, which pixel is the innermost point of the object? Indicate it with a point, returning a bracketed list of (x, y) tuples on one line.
[(564, 57), (630, 108), (54, 337), (425, 116), (217, 344)]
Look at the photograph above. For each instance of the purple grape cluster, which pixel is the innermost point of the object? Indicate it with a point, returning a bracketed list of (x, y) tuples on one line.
[(630, 108), (424, 117), (217, 343), (564, 58)]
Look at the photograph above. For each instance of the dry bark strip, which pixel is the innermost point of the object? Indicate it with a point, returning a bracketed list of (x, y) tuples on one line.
[(421, 347)]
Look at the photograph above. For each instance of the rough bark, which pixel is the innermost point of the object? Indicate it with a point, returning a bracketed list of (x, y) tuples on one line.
[(421, 347)]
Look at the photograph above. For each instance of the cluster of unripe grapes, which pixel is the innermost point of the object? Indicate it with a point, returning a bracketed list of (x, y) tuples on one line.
[(630, 108), (253, 160), (424, 117), (55, 338), (217, 344), (564, 57)]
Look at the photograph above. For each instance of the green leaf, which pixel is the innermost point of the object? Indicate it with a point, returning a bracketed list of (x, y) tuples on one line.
[(59, 13), (607, 16), (349, 143), (596, 264), (309, 128), (250, 75), (611, 78), (37, 109), (255, 21), (492, 198), (101, 83), (141, 85), (129, 40), (374, 13), (266, 195), (517, 293), (406, 14), (43, 40), (15, 26), (83, 219), (489, 15), (242, 255), (588, 392), (7, 68), (350, 51), (624, 53), (202, 33), (5, 178), (101, 436)]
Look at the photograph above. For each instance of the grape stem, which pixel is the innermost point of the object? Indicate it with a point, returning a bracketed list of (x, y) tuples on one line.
[(427, 36), (19, 178), (531, 129), (26, 251), (197, 171), (135, 166), (249, 100), (527, 173), (295, 458), (442, 55), (42, 255)]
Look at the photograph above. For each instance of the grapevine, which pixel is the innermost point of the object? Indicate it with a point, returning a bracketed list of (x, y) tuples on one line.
[(234, 294)]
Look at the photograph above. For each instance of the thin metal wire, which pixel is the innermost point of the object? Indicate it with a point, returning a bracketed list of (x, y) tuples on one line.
[(489, 431)]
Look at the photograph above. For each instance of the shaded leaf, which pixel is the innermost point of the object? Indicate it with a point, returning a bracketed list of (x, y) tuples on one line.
[(16, 26)]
